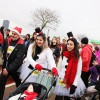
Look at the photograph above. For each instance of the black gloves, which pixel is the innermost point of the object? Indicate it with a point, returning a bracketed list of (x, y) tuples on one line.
[(72, 89)]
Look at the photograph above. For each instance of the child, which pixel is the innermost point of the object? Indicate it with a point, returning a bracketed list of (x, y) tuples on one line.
[(94, 75), (28, 94)]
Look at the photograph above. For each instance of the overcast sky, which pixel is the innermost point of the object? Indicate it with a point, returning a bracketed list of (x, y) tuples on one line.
[(78, 16)]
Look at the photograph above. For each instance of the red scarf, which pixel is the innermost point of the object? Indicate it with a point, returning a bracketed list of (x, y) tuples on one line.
[(70, 72), (30, 95), (20, 41)]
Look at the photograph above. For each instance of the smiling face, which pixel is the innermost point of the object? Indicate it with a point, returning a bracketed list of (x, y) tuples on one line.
[(54, 41), (15, 36), (70, 45), (39, 41)]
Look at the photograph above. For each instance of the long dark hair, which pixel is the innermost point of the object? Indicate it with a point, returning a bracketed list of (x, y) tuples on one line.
[(26, 38), (76, 49)]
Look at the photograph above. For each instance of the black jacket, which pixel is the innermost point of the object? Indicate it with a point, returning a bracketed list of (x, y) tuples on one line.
[(15, 59)]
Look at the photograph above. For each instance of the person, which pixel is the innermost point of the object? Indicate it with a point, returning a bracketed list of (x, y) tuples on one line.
[(59, 42), (97, 53), (37, 31), (7, 36), (39, 56), (7, 32), (2, 28), (64, 43), (96, 87), (13, 58), (48, 40), (69, 82), (1, 48), (93, 75), (1, 41), (31, 40), (55, 49), (28, 94), (27, 42), (27, 37), (86, 54)]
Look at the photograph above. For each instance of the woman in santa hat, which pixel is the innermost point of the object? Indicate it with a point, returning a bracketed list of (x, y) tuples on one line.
[(69, 82)]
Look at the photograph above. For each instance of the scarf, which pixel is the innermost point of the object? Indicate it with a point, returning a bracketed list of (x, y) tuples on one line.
[(30, 95), (71, 70), (38, 50)]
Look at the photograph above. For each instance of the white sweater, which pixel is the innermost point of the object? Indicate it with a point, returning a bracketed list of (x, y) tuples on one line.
[(45, 58)]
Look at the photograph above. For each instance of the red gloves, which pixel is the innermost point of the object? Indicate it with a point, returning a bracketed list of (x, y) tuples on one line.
[(54, 71), (38, 67)]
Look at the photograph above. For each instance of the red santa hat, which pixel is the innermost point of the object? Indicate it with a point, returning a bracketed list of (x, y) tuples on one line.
[(18, 30)]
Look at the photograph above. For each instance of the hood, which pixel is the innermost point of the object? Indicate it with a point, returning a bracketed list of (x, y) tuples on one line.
[(88, 46)]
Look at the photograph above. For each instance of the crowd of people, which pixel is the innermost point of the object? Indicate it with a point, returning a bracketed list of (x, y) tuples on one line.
[(77, 64)]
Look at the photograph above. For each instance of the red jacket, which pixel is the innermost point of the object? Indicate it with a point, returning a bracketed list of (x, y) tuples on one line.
[(86, 55), (1, 38)]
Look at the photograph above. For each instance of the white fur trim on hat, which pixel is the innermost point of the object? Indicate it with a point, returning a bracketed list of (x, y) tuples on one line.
[(16, 31)]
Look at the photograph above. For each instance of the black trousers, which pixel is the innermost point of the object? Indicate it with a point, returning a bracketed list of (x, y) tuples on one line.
[(85, 77), (3, 80)]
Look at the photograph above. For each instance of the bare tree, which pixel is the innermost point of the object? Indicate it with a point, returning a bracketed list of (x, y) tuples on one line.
[(80, 36), (45, 19)]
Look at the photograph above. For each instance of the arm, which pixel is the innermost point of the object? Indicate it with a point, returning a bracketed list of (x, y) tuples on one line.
[(50, 58), (78, 73)]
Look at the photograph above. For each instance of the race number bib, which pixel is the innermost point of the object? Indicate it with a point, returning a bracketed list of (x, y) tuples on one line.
[(61, 83), (36, 73), (10, 49)]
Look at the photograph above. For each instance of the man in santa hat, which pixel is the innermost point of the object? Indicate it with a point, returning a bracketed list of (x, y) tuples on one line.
[(13, 58)]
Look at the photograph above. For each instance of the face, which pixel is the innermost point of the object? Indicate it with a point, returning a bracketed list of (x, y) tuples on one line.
[(58, 40), (82, 45), (39, 41), (15, 36), (27, 36), (35, 35), (64, 41), (70, 45), (54, 40)]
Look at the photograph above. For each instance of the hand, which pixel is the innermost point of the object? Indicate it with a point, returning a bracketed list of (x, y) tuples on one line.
[(5, 72), (72, 89), (38, 67), (54, 71), (95, 62)]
